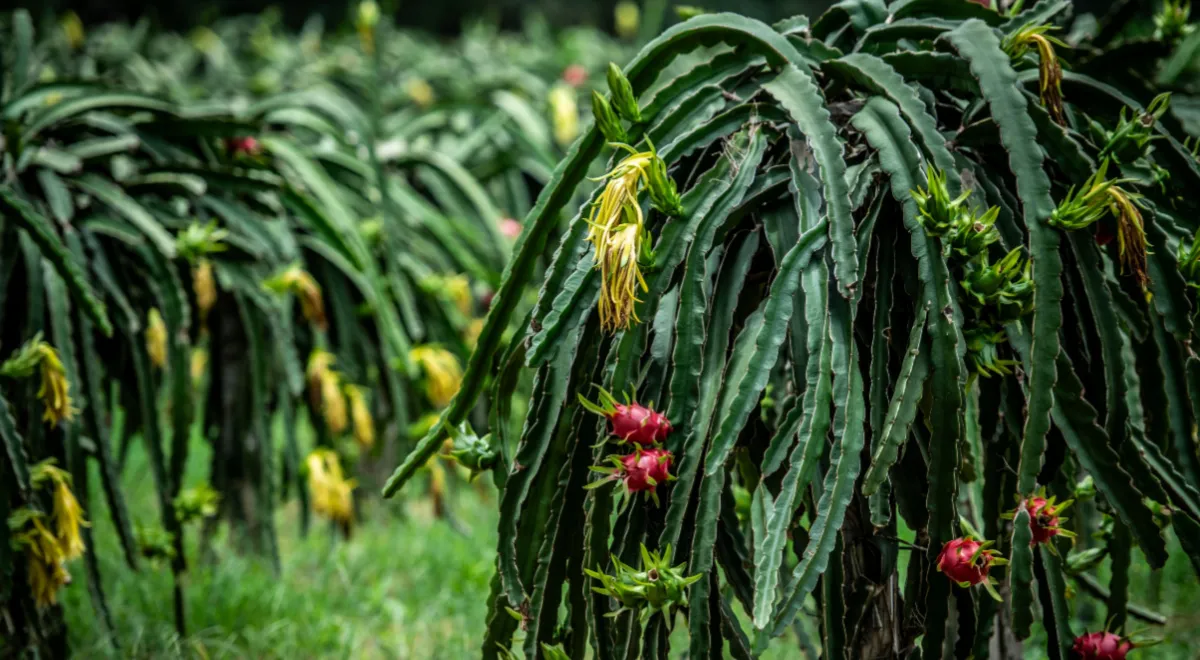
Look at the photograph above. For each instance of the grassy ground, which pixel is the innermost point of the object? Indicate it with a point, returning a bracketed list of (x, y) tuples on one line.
[(406, 586)]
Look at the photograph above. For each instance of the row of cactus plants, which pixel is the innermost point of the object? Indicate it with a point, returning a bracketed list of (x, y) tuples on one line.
[(192, 248), (918, 265)]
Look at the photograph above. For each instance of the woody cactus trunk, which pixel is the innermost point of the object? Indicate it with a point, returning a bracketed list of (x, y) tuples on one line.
[(916, 277)]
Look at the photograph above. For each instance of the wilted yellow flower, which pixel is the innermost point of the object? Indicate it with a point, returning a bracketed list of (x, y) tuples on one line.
[(627, 17), (360, 415), (325, 391), (331, 491), (67, 514), (368, 17), (55, 390), (565, 114), (458, 288), (1049, 68), (297, 281), (419, 91), (1131, 233), (443, 374), (619, 235), (156, 338), (47, 572), (73, 29), (205, 288), (472, 332), (199, 364)]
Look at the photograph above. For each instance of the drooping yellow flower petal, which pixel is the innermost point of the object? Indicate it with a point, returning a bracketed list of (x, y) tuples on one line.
[(68, 518), (325, 391), (205, 288), (360, 415), (1131, 234), (618, 233), (55, 389), (45, 561), (443, 374), (301, 284), (332, 493), (1049, 68), (156, 338)]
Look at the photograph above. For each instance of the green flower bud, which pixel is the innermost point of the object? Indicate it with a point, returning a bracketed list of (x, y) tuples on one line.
[(473, 452), (971, 236), (663, 194), (622, 94), (606, 119), (1085, 489), (1086, 560), (939, 213)]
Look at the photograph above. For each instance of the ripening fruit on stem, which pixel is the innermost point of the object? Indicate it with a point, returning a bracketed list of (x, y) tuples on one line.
[(1044, 518), (631, 422), (243, 146), (645, 469), (1101, 646), (968, 561), (510, 228), (641, 472), (575, 75)]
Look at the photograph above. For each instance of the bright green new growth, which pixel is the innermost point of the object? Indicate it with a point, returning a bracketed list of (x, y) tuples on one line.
[(912, 304)]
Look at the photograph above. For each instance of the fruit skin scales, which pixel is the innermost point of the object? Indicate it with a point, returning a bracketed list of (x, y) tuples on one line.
[(645, 469), (638, 424), (963, 561), (631, 422), (1100, 646)]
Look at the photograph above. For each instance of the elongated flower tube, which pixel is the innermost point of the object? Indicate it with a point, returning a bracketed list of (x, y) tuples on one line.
[(443, 373), (156, 338), (298, 282), (1049, 68), (1098, 197), (331, 490)]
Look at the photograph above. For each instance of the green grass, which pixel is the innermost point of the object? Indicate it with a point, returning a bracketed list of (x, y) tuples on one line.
[(407, 585)]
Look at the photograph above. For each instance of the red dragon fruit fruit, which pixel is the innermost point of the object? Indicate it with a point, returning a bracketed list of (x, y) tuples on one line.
[(1101, 646), (1045, 518), (510, 228), (243, 146), (631, 422), (968, 561), (575, 75), (641, 472), (644, 469)]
